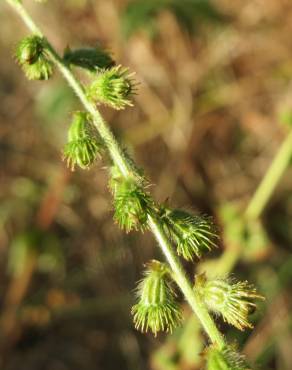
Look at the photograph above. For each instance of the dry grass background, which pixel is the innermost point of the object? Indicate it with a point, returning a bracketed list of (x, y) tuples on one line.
[(206, 124)]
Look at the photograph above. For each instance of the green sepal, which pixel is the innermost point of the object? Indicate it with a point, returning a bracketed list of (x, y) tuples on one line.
[(156, 309), (29, 50), (84, 145), (132, 204), (233, 300), (113, 87), (32, 57), (192, 234), (42, 69)]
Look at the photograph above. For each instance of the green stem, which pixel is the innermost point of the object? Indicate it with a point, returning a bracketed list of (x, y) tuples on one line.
[(184, 284), (119, 159), (258, 202), (270, 180)]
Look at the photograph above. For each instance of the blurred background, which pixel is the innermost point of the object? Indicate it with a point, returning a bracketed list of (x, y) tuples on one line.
[(213, 106)]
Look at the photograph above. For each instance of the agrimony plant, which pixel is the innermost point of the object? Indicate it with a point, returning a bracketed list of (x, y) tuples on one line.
[(134, 209)]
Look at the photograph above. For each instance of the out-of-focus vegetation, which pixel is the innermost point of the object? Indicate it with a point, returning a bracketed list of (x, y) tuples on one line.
[(214, 106)]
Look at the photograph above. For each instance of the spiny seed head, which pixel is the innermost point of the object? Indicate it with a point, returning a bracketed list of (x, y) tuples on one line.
[(93, 59), (29, 50), (233, 300), (192, 234), (113, 87), (156, 309), (84, 146), (31, 56), (225, 359), (42, 69), (132, 205)]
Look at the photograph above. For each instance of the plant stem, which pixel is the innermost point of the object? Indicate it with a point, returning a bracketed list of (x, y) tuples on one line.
[(121, 161), (268, 184), (184, 284), (258, 202)]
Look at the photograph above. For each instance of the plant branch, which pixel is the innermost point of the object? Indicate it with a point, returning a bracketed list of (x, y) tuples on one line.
[(258, 202), (125, 168), (268, 184)]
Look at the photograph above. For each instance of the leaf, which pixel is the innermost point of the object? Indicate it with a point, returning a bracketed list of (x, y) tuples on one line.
[(91, 58)]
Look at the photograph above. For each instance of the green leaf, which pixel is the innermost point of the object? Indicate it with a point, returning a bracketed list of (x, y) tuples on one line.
[(91, 58)]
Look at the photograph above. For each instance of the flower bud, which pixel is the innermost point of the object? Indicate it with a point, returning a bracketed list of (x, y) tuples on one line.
[(113, 87), (233, 300), (84, 146), (31, 56), (156, 309), (132, 205), (192, 234), (225, 359)]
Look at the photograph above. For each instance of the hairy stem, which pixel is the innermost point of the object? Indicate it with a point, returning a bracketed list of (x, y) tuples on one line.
[(121, 161), (184, 284)]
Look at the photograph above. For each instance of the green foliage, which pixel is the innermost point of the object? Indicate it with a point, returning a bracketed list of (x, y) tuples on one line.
[(32, 57), (37, 244), (91, 58), (140, 14), (193, 235), (113, 87), (233, 300), (156, 309), (225, 359), (84, 146)]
